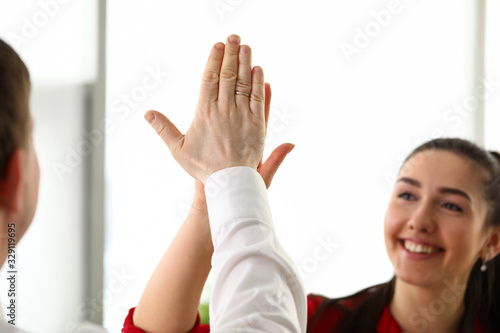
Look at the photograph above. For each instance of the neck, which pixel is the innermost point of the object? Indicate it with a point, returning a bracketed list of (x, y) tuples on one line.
[(428, 309)]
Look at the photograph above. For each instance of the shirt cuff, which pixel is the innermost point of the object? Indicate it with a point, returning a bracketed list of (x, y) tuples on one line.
[(236, 192)]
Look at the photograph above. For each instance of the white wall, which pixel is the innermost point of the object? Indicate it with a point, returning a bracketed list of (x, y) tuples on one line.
[(352, 121), (492, 70), (56, 38)]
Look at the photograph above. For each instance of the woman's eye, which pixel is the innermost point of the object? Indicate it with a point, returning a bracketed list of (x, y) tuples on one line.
[(453, 207), (405, 195), (447, 205)]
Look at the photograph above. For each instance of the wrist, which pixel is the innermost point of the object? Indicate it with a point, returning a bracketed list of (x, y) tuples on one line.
[(198, 219), (228, 168), (199, 208)]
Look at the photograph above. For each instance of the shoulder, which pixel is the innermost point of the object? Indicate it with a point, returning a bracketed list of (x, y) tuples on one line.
[(324, 314), (316, 301)]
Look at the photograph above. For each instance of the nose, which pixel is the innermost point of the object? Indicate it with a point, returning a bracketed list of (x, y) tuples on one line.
[(422, 218)]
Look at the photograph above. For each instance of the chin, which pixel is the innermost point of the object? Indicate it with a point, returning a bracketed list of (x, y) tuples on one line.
[(419, 278), (408, 279)]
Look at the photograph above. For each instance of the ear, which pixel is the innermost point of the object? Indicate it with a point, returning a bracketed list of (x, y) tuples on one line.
[(493, 245), (12, 187)]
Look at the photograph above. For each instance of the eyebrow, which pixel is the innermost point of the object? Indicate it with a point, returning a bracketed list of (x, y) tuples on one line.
[(444, 190)]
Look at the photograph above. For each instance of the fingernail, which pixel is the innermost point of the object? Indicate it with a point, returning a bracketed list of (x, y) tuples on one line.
[(150, 117), (293, 146), (244, 49), (219, 46), (234, 39)]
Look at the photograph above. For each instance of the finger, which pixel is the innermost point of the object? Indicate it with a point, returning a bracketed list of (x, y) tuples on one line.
[(267, 102), (244, 79), (165, 129), (210, 80), (229, 70), (258, 92), (267, 110), (269, 168)]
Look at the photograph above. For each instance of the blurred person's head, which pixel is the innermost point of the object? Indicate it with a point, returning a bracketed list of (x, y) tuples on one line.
[(19, 170)]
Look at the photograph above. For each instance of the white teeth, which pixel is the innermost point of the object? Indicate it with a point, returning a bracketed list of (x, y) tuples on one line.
[(419, 248)]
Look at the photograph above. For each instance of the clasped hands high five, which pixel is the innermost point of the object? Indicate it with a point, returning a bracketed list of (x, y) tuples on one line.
[(228, 129)]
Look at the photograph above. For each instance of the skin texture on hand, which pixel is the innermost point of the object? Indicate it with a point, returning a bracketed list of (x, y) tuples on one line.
[(267, 171), (227, 130)]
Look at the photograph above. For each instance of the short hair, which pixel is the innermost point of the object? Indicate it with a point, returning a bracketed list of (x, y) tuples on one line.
[(15, 118)]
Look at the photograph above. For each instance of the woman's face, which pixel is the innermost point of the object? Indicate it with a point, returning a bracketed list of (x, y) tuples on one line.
[(434, 223)]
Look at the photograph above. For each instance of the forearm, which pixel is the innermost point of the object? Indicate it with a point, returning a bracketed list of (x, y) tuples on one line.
[(171, 298), (257, 287)]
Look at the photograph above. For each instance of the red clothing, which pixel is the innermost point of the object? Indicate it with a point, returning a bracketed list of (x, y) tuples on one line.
[(386, 324), (128, 325)]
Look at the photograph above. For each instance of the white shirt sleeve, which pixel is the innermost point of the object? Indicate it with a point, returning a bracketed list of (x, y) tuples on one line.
[(257, 287)]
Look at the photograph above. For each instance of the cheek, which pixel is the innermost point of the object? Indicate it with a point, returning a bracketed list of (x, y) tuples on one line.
[(462, 251), (462, 239), (392, 223), (391, 229)]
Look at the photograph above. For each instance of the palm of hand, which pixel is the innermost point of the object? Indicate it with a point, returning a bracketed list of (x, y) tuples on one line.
[(228, 128)]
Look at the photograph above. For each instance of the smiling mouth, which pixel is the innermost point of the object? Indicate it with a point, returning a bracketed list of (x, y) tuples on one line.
[(414, 247)]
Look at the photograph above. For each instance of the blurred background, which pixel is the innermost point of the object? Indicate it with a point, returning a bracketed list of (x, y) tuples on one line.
[(356, 86)]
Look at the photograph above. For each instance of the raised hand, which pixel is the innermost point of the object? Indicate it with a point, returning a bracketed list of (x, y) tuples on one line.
[(228, 129), (267, 170)]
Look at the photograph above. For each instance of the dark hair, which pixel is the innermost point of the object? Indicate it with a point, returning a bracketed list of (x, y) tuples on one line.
[(482, 294), (15, 119)]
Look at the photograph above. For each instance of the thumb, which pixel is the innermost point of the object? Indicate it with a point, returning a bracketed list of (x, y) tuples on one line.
[(164, 127), (273, 162)]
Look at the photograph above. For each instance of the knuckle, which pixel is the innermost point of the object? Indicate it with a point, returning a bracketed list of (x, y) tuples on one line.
[(207, 107), (233, 51), (161, 129), (228, 75), (257, 97), (211, 77), (243, 85), (258, 80)]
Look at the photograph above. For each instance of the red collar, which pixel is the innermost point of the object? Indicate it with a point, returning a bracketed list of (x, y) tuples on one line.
[(387, 324)]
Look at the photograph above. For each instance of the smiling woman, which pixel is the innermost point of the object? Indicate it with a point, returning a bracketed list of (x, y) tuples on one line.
[(442, 226)]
